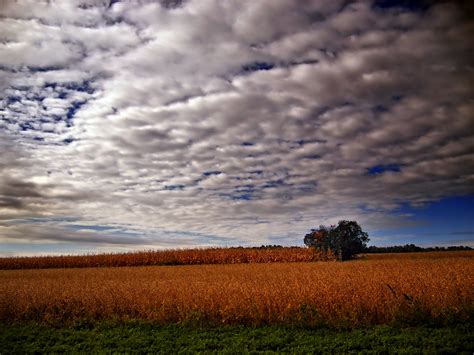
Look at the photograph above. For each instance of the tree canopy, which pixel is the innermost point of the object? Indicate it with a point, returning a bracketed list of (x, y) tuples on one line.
[(344, 240)]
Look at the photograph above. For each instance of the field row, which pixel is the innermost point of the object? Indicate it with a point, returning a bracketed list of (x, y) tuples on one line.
[(354, 293), (201, 257), (167, 257)]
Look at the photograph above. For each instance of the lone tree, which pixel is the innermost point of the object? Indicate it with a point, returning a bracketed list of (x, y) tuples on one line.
[(344, 240)]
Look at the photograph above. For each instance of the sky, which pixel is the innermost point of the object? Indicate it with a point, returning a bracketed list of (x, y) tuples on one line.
[(132, 125)]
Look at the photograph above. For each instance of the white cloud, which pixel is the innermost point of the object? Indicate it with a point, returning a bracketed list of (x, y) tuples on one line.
[(244, 121)]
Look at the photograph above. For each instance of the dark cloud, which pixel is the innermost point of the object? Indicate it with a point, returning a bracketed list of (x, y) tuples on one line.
[(51, 233)]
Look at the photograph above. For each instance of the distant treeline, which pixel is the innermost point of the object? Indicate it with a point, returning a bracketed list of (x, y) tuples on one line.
[(407, 248), (412, 248)]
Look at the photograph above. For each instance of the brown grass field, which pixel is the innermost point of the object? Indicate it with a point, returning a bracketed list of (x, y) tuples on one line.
[(167, 257), (196, 257), (379, 289)]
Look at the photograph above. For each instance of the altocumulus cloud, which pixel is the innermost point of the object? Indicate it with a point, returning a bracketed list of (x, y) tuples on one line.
[(192, 123)]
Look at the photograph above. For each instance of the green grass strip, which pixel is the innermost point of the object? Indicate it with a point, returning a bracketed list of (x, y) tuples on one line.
[(143, 337)]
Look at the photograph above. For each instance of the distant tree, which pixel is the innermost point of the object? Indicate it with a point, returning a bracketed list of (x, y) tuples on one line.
[(344, 240)]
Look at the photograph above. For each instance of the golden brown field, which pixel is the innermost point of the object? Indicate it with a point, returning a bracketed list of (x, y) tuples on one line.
[(420, 255), (361, 292), (167, 257)]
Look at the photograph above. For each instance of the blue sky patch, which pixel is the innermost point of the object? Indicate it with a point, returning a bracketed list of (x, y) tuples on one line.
[(274, 183), (447, 221), (380, 169), (257, 66), (174, 187), (68, 140), (406, 5), (209, 173)]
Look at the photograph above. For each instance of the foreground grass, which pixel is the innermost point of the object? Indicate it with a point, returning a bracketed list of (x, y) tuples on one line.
[(146, 337)]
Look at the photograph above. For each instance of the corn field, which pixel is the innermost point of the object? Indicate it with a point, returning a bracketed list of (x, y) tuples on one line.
[(356, 293), (168, 257), (198, 257)]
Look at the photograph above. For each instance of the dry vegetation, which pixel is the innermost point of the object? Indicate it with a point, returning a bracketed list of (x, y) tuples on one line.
[(200, 257), (167, 257), (353, 293), (421, 255)]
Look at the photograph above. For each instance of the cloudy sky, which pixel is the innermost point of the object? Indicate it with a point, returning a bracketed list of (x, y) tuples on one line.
[(131, 125)]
